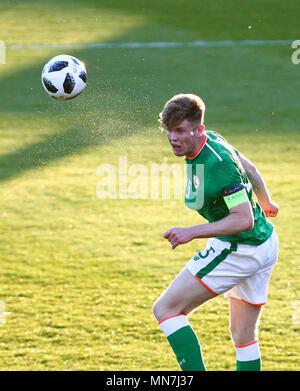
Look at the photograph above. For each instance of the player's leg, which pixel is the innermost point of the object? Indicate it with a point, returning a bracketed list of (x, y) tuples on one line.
[(183, 295), (247, 299), (244, 320)]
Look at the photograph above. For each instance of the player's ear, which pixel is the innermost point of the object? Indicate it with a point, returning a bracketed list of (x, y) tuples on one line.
[(201, 127)]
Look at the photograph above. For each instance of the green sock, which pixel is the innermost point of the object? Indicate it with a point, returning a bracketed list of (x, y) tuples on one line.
[(184, 343), (253, 365), (248, 357)]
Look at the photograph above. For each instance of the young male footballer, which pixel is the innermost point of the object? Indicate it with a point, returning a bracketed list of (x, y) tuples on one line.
[(243, 247)]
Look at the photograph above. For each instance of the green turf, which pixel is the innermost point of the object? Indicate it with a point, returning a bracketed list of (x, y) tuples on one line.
[(79, 274)]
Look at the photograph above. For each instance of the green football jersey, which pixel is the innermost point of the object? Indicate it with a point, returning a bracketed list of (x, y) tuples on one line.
[(215, 172)]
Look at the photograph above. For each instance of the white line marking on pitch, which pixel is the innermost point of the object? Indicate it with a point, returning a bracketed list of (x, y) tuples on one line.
[(133, 45)]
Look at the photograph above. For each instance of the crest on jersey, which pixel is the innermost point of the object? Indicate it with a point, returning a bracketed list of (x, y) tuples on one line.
[(196, 182)]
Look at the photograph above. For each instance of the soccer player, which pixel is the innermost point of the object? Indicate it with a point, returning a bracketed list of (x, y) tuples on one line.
[(243, 247)]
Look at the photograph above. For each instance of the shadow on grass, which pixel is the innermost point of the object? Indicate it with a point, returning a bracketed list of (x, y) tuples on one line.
[(114, 104)]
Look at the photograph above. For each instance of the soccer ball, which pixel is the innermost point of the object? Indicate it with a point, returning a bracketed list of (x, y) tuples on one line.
[(64, 77)]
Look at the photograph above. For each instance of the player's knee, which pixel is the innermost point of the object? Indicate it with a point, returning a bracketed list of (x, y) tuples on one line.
[(156, 310), (160, 310), (163, 309)]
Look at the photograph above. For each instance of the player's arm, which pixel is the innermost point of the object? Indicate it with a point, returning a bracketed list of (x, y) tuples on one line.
[(240, 219), (259, 187)]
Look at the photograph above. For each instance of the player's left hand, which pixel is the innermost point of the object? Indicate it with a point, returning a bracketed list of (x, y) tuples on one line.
[(178, 235), (271, 210)]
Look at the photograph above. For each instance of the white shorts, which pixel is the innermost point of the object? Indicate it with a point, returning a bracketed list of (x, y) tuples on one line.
[(242, 271)]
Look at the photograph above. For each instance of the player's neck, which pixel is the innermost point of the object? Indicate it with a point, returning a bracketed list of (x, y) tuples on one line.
[(198, 146)]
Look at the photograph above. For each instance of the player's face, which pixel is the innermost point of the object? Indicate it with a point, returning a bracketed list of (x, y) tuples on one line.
[(183, 138)]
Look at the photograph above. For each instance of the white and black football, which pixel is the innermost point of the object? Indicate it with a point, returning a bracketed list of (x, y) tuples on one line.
[(64, 77)]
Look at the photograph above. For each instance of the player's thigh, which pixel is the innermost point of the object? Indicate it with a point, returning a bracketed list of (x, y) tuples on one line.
[(244, 319), (183, 295)]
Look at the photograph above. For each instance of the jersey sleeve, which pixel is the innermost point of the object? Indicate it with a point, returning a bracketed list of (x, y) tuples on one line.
[(226, 182)]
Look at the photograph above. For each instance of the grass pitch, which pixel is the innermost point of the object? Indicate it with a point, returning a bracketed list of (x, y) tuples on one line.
[(79, 274)]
